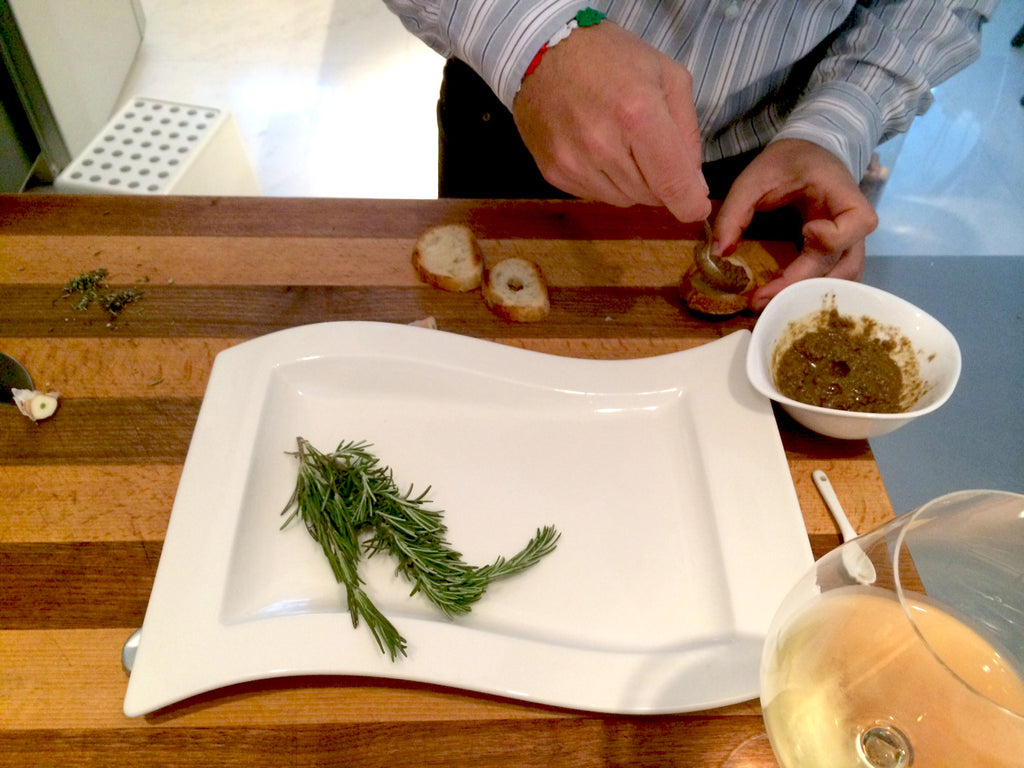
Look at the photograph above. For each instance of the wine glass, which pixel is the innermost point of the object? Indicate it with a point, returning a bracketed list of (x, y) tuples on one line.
[(913, 656)]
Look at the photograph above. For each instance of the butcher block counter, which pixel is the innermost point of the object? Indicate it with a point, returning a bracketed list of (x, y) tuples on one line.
[(85, 496)]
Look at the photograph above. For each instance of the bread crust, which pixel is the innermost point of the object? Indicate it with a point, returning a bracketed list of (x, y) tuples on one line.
[(515, 289), (702, 298), (448, 256)]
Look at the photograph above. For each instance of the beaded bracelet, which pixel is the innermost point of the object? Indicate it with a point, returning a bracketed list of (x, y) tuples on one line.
[(588, 17)]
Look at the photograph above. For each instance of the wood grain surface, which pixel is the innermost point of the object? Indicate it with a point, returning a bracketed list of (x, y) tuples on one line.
[(85, 497)]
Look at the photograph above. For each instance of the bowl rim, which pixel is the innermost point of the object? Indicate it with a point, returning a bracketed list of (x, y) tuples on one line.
[(821, 286)]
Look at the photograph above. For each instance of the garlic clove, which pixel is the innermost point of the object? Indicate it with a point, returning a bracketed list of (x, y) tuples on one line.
[(34, 404)]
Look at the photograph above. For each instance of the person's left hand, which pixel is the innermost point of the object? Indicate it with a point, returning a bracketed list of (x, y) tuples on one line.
[(836, 216)]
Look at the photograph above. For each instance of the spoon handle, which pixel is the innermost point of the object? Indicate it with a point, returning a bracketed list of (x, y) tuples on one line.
[(828, 493)]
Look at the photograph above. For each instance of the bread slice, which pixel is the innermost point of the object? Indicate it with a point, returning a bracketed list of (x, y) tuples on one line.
[(448, 256), (515, 289), (703, 298), (756, 261)]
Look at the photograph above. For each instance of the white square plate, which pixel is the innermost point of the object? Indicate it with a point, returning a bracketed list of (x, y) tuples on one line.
[(666, 477)]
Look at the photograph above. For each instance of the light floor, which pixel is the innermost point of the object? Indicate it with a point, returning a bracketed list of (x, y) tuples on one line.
[(335, 98)]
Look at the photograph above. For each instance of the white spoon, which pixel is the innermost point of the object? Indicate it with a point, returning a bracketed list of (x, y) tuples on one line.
[(857, 564), (130, 648)]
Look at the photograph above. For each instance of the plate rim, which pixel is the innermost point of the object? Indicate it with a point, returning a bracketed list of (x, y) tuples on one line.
[(735, 662)]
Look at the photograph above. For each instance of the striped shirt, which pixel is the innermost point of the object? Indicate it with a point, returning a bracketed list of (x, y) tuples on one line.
[(879, 61)]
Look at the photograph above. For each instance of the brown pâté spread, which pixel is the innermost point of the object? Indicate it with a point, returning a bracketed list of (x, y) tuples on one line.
[(841, 363)]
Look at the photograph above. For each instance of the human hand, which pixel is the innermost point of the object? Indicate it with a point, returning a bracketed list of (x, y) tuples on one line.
[(608, 117), (836, 216)]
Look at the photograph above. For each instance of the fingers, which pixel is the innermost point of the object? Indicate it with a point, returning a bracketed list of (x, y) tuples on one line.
[(647, 174), (593, 184), (668, 150), (808, 177), (847, 265), (842, 229), (827, 252), (673, 179), (757, 188), (734, 216), (837, 217), (619, 185), (643, 157), (832, 248)]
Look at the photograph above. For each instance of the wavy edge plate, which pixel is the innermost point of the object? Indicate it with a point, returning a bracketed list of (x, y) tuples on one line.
[(187, 647)]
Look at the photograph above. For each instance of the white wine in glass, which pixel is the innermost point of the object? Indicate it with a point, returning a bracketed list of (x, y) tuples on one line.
[(920, 664)]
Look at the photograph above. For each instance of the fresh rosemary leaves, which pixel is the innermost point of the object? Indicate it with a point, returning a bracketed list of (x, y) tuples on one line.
[(351, 506)]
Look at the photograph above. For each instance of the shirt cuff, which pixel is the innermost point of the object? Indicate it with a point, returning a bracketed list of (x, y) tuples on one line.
[(839, 117), (521, 34)]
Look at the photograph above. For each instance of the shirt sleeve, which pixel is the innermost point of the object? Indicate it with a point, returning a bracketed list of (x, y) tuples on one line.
[(878, 73), (497, 38)]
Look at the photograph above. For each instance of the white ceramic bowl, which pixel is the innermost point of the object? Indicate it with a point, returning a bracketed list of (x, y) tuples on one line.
[(936, 351)]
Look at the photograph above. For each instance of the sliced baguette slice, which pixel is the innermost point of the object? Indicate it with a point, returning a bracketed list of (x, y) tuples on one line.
[(448, 256), (756, 260), (515, 289), (708, 300)]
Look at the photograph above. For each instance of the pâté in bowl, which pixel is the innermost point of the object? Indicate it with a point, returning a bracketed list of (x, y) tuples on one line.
[(849, 360)]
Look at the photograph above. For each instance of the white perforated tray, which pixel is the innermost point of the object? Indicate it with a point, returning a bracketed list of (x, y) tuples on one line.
[(160, 147)]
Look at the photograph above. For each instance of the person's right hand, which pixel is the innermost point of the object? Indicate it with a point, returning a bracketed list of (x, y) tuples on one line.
[(608, 117)]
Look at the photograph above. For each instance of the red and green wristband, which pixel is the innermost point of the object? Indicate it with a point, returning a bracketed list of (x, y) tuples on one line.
[(588, 17)]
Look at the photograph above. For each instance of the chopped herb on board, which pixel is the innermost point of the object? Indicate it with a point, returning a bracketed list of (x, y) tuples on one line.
[(117, 300), (90, 287), (352, 507)]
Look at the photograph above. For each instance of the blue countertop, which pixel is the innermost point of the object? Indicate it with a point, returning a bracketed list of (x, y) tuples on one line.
[(976, 440)]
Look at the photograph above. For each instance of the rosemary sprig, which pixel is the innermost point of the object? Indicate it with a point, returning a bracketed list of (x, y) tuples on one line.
[(351, 506)]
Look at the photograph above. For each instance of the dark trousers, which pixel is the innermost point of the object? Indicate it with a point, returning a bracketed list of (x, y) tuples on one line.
[(480, 154)]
